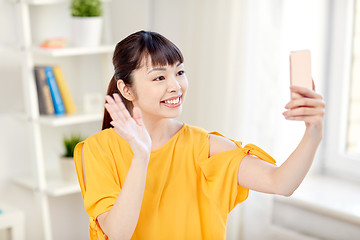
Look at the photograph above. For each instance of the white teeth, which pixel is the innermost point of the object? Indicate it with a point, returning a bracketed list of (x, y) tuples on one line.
[(174, 101)]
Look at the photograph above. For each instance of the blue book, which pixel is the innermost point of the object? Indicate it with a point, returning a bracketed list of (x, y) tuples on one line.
[(54, 91)]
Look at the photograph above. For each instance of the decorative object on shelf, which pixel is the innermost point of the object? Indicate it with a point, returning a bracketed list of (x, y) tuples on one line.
[(53, 91), (93, 102), (86, 22), (54, 43), (43, 90), (68, 100), (67, 164)]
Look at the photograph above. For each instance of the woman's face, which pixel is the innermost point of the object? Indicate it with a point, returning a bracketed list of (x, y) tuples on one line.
[(160, 90)]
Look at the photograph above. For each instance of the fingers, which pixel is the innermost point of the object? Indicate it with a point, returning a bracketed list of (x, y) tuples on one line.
[(116, 108), (305, 102), (309, 107), (305, 92), (137, 115), (121, 106), (113, 110), (308, 115), (303, 112)]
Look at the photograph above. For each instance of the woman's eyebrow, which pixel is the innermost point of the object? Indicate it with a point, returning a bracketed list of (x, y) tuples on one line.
[(157, 69), (162, 68)]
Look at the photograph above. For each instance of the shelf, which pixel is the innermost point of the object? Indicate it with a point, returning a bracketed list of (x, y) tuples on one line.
[(64, 120), (56, 186), (39, 2), (45, 2), (73, 51)]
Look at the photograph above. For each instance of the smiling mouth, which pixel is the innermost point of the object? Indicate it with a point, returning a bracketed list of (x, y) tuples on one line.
[(173, 101)]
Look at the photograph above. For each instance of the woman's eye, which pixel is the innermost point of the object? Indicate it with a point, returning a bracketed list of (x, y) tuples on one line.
[(180, 73), (159, 78)]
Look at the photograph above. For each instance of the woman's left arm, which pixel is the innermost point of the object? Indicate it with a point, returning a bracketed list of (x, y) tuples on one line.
[(260, 176)]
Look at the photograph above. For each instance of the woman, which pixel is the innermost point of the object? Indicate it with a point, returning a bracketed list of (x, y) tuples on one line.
[(148, 176)]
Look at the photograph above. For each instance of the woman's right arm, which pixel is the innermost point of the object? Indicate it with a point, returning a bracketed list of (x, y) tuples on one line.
[(120, 222)]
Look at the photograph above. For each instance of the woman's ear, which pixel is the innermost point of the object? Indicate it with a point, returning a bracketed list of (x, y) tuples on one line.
[(125, 90)]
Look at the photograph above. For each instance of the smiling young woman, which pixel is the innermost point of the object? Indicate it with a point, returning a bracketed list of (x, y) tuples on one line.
[(148, 176)]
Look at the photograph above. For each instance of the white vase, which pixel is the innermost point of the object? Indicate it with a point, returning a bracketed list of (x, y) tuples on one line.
[(86, 31), (68, 171)]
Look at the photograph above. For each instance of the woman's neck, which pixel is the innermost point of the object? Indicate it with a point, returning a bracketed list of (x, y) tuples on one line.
[(161, 131)]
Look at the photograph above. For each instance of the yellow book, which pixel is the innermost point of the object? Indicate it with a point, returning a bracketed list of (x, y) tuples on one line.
[(64, 90)]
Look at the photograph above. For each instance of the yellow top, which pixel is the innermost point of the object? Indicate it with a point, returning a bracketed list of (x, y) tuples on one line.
[(187, 194)]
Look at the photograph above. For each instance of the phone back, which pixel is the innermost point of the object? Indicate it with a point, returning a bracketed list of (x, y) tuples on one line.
[(300, 70)]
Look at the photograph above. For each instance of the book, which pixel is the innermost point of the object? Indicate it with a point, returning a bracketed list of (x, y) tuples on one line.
[(44, 96), (64, 90), (54, 90)]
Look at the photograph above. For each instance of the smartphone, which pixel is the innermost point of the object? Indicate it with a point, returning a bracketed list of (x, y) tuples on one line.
[(300, 70)]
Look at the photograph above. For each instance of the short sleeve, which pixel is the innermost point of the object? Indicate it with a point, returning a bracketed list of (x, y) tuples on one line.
[(219, 178), (102, 180)]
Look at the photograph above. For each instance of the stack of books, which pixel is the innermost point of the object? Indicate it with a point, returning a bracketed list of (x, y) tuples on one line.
[(53, 92)]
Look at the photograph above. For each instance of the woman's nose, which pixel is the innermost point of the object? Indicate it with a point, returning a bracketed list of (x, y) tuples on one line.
[(174, 85)]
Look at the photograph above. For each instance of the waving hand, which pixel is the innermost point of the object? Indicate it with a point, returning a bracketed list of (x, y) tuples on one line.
[(132, 129)]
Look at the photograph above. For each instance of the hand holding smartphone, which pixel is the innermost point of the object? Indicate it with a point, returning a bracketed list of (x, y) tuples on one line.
[(300, 70)]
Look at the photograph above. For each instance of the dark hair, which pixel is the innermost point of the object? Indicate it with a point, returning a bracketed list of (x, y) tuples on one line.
[(128, 56)]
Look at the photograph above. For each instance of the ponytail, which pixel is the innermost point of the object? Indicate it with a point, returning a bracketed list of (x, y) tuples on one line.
[(111, 90)]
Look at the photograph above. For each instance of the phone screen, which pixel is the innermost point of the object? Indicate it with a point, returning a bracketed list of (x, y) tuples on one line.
[(300, 70)]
